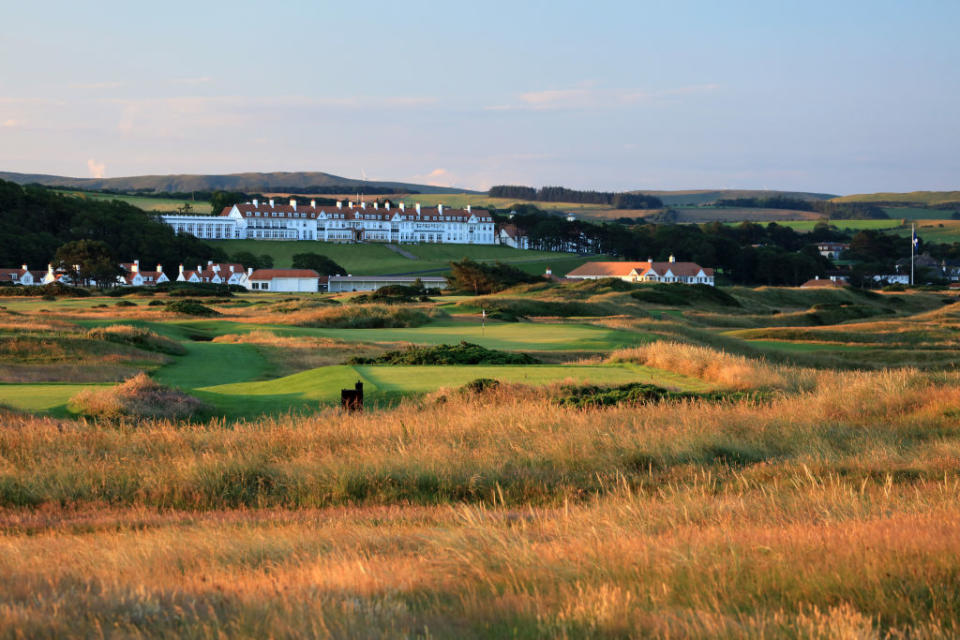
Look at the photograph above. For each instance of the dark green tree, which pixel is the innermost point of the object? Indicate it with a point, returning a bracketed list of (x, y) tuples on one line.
[(88, 260), (319, 263)]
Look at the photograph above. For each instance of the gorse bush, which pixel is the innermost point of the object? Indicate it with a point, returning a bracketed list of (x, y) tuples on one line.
[(364, 317), (191, 308), (677, 294)]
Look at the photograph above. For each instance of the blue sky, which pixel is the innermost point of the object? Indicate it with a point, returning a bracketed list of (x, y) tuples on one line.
[(840, 97)]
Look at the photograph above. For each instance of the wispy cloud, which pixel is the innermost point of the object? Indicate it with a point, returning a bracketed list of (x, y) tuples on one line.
[(595, 98), (96, 169)]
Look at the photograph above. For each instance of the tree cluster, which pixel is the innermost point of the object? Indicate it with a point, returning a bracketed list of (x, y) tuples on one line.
[(476, 278), (828, 208), (562, 194), (36, 221)]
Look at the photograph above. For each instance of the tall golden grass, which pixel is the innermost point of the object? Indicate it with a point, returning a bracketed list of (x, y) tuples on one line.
[(138, 397), (727, 370)]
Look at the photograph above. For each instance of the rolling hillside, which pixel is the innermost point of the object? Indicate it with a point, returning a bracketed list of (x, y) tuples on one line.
[(700, 197), (921, 198), (248, 182)]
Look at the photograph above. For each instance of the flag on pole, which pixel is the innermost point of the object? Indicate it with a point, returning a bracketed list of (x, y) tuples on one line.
[(483, 320), (916, 239)]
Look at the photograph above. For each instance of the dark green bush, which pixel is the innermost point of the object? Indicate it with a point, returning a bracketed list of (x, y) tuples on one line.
[(191, 308), (463, 353)]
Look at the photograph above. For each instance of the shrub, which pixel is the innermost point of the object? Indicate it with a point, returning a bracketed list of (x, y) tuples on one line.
[(156, 303), (677, 294), (515, 308), (55, 289), (463, 353), (364, 317), (137, 337), (124, 303), (138, 397), (191, 308), (480, 385)]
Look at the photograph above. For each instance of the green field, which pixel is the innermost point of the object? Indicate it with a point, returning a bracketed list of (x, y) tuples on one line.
[(844, 225), (377, 259), (144, 202), (928, 198)]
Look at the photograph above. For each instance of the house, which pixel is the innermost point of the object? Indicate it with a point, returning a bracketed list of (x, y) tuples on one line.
[(649, 271), (287, 280), (832, 250), (23, 276), (835, 282), (346, 222), (892, 278), (133, 276), (372, 283), (510, 236)]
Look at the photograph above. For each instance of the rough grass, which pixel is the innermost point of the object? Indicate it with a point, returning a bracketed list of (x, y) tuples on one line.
[(138, 397), (137, 337), (463, 353), (290, 354), (363, 317), (727, 370)]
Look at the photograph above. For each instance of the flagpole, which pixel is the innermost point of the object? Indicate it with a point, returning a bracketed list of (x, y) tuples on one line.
[(913, 246), (483, 321)]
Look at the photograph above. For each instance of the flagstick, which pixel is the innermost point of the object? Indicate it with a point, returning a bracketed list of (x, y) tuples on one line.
[(913, 246)]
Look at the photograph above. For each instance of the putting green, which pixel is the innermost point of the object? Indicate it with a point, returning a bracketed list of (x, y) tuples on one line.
[(383, 383), (510, 336), (42, 398)]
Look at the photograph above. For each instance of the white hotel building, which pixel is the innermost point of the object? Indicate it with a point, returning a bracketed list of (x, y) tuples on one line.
[(343, 223)]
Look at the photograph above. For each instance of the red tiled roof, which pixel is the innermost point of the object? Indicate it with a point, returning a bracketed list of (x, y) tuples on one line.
[(270, 274), (356, 212), (624, 269)]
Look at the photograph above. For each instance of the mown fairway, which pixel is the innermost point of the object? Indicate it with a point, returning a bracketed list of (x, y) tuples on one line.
[(798, 479), (377, 259)]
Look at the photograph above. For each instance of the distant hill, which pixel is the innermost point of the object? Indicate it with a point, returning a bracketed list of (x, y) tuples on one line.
[(916, 198), (278, 181), (701, 197)]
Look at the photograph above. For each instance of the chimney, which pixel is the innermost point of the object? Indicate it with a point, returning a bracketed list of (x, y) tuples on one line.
[(313, 204), (673, 258), (209, 263), (136, 266), (418, 208), (440, 209), (376, 205), (387, 205), (50, 269), (650, 260), (339, 205), (350, 204), (256, 203), (468, 208), (403, 207), (249, 271), (199, 270), (231, 268), (159, 268), (363, 205), (181, 269), (293, 203), (271, 203)]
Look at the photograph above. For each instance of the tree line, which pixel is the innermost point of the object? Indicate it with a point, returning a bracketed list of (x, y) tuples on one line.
[(36, 221), (562, 194), (833, 210), (747, 253)]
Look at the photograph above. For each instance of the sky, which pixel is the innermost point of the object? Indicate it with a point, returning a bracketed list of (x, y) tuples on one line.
[(845, 96)]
